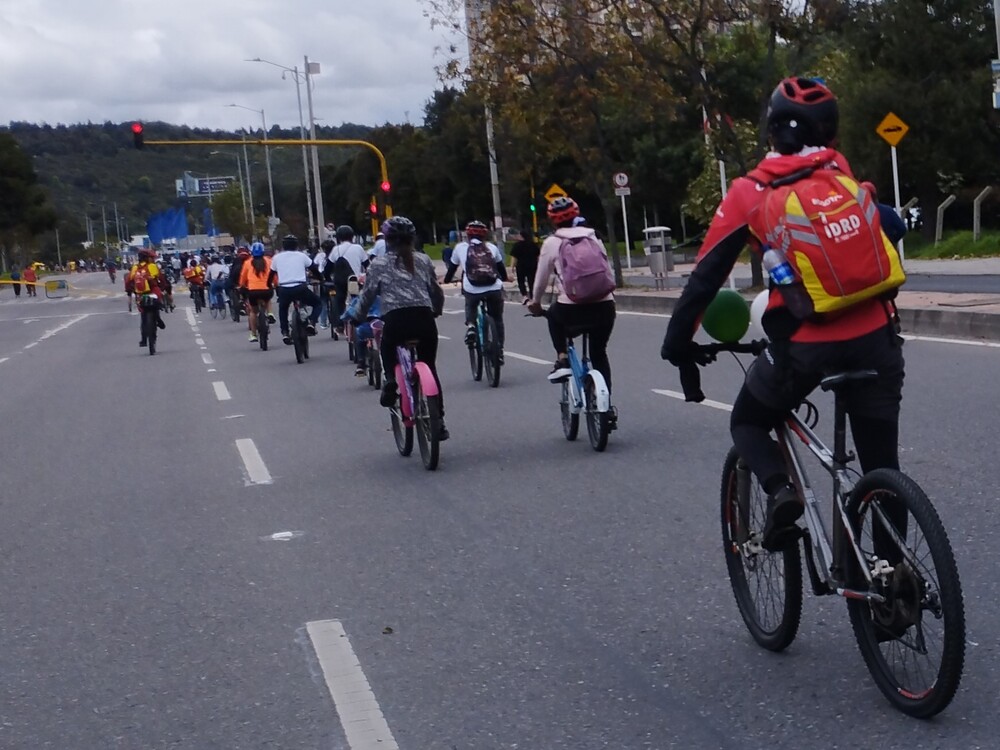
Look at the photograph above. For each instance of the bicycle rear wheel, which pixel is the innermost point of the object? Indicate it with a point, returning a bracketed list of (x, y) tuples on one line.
[(294, 330), (598, 422), (402, 434), (491, 351), (476, 360), (570, 420), (149, 329), (197, 302), (428, 424), (767, 585), (913, 643), (263, 329)]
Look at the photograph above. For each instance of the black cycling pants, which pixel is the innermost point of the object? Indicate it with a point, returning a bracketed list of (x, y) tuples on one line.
[(302, 294), (772, 389), (408, 324), (596, 319), (494, 306)]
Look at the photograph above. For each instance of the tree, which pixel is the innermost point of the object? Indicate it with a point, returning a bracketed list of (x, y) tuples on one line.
[(24, 209)]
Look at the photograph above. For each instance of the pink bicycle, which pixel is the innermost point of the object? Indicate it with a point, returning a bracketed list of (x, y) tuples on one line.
[(419, 406)]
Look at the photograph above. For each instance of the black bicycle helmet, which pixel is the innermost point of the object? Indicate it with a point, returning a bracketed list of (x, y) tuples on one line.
[(327, 244), (802, 112), (398, 228), (289, 242), (345, 233)]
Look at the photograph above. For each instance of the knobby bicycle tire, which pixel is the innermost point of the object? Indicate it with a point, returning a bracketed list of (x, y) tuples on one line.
[(476, 360), (296, 324), (491, 351), (924, 607), (598, 422), (770, 605), (428, 424), (570, 421)]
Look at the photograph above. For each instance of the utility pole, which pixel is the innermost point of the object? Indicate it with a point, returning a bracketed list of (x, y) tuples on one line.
[(104, 220), (320, 223), (246, 160)]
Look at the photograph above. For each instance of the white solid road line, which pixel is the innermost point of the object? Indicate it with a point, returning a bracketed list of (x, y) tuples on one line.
[(221, 392), (526, 358), (964, 342), (642, 314), (707, 402), (256, 470), (207, 358), (360, 714), (4, 360), (29, 346), (53, 331), (190, 316)]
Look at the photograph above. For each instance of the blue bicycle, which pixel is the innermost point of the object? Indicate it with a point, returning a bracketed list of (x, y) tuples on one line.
[(484, 348), (585, 391)]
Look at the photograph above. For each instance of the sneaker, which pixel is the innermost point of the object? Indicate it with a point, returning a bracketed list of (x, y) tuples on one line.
[(560, 371), (271, 319), (470, 336), (287, 339), (500, 360), (389, 394), (160, 324), (310, 329), (324, 326), (253, 338), (142, 343), (360, 371), (443, 433), (783, 509), (613, 419)]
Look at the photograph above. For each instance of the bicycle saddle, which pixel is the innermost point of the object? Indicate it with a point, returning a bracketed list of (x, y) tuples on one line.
[(834, 382)]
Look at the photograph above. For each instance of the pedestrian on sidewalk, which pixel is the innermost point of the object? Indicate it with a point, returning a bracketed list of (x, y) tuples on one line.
[(524, 261), (15, 281), (30, 277)]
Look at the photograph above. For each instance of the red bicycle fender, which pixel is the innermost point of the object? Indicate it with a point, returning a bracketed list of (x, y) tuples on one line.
[(427, 382)]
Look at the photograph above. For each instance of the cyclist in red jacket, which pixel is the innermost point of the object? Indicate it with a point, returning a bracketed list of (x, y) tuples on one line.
[(802, 126)]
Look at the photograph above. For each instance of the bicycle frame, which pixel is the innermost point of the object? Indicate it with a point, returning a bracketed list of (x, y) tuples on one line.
[(581, 371), (831, 558), (408, 370)]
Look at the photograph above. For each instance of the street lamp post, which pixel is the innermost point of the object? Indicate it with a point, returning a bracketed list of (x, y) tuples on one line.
[(312, 68), (267, 159), (246, 163), (298, 78)]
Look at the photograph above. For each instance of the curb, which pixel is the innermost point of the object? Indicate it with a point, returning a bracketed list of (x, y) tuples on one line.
[(918, 321)]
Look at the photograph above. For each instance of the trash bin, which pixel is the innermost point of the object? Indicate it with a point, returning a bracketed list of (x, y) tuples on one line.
[(658, 248)]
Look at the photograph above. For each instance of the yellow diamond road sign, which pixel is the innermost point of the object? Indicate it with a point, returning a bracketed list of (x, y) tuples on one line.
[(892, 129), (554, 192)]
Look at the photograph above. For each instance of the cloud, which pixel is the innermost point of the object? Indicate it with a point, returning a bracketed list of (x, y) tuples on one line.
[(68, 61)]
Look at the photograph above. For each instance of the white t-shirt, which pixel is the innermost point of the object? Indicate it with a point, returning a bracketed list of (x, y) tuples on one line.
[(458, 257), (352, 253), (378, 249), (291, 267), (217, 272)]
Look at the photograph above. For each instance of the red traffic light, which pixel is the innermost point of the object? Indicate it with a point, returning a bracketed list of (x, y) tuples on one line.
[(137, 134), (374, 209), (385, 186)]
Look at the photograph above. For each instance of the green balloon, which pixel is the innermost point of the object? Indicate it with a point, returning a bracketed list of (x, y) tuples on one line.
[(727, 319)]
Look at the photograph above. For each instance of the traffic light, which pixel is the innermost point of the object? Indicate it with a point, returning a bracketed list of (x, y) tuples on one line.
[(373, 208), (532, 208), (137, 134), (385, 186)]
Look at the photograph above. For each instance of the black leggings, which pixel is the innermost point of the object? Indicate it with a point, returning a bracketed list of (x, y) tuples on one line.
[(773, 389), (494, 306), (596, 319), (408, 324), (525, 279)]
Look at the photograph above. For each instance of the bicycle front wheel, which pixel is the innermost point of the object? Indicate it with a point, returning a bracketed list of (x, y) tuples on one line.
[(570, 420), (767, 585), (914, 641), (476, 361), (491, 351), (296, 329), (402, 434), (428, 424)]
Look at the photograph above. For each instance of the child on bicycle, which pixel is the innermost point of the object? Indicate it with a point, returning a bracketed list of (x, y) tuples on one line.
[(410, 299), (802, 126), (363, 332)]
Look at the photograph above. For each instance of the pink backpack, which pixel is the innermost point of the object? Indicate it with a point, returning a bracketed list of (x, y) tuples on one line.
[(586, 274)]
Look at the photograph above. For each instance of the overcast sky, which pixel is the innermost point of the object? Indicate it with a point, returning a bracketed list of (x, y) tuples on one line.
[(180, 61)]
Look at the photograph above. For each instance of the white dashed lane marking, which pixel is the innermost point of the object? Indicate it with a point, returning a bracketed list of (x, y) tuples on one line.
[(221, 392), (207, 358), (707, 402), (360, 714), (257, 472)]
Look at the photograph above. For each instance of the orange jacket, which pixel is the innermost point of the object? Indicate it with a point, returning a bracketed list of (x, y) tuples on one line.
[(250, 279)]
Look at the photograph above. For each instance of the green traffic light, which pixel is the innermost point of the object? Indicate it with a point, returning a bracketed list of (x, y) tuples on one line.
[(532, 207)]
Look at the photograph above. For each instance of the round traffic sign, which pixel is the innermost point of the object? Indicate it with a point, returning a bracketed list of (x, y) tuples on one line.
[(620, 179)]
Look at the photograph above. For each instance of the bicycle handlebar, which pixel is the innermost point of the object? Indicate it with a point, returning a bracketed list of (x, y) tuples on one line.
[(704, 354)]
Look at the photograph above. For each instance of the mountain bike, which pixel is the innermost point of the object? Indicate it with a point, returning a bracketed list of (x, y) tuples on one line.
[(888, 555), (419, 405), (198, 295), (148, 305), (484, 347), (217, 302), (297, 331), (236, 305)]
